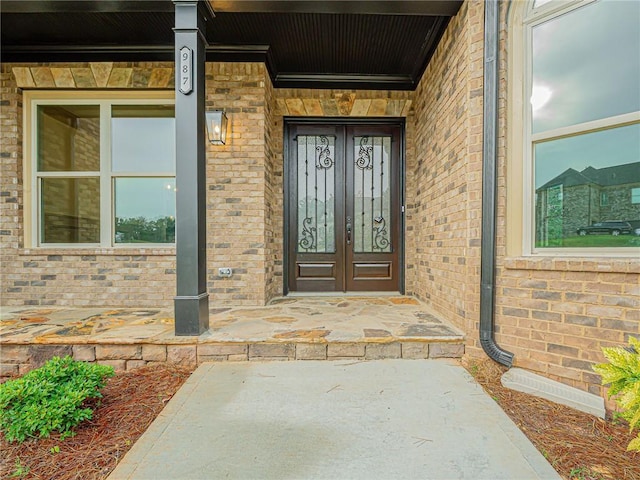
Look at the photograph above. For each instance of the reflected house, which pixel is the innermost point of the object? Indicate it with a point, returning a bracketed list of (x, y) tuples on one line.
[(575, 199)]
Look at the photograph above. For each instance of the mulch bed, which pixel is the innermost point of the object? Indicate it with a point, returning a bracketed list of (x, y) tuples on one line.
[(578, 445), (132, 400)]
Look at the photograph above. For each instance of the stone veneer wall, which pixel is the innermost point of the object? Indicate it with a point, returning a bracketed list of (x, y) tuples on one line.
[(555, 313), (445, 183), (20, 359)]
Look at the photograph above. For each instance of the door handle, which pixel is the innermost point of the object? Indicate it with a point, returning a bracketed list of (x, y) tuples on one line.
[(348, 230)]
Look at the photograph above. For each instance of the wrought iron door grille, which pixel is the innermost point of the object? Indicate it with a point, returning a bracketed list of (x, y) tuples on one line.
[(372, 194), (316, 193)]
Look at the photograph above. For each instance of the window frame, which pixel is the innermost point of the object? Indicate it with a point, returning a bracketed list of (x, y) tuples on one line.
[(104, 100), (522, 18)]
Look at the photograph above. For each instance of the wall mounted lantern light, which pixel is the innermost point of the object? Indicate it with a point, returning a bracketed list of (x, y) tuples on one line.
[(216, 121)]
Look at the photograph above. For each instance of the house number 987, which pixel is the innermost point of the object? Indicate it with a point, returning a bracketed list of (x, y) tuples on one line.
[(186, 70)]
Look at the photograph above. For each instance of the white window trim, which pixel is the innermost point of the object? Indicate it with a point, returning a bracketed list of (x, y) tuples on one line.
[(103, 99), (520, 176)]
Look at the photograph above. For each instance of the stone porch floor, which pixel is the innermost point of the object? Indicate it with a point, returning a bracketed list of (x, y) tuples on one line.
[(290, 328)]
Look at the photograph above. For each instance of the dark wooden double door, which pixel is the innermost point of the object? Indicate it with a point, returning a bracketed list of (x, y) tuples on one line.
[(344, 207)]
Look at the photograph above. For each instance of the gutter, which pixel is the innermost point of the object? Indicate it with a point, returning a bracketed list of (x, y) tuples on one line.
[(489, 182)]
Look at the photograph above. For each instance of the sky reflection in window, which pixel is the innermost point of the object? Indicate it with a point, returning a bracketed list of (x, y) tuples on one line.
[(143, 139), (587, 63)]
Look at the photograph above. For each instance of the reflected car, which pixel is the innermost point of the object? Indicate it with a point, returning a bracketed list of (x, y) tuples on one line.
[(637, 231), (611, 228)]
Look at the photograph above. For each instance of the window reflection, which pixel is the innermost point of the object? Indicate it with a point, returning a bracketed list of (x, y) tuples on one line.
[(586, 180), (70, 210), (145, 210), (143, 138), (68, 138), (586, 65)]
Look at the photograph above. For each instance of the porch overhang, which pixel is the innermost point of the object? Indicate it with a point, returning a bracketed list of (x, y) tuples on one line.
[(310, 45), (305, 44)]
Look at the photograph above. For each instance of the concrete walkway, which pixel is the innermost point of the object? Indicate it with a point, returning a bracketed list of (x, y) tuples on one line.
[(384, 419)]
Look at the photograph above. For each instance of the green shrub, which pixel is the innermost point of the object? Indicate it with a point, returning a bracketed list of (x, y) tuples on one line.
[(623, 375), (50, 398)]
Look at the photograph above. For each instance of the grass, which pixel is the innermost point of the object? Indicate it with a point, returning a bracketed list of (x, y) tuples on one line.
[(594, 241)]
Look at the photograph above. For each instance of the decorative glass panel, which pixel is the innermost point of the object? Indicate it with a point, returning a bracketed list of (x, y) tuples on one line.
[(586, 65), (68, 138), (70, 210), (145, 210), (583, 189), (143, 138), (316, 193), (372, 194)]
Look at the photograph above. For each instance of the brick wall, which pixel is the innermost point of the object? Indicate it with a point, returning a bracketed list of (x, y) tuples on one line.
[(444, 184), (11, 226), (244, 189), (72, 277), (555, 313), (273, 195), (237, 199)]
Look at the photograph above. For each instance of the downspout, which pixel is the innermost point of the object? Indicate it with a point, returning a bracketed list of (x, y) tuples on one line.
[(489, 182)]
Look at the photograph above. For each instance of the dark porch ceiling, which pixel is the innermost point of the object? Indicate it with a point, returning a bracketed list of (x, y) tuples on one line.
[(315, 44)]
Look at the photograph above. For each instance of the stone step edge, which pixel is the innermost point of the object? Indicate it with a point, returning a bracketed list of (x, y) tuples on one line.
[(210, 341), (18, 359)]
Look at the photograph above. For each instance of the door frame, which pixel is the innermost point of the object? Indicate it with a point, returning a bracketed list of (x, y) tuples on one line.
[(395, 121)]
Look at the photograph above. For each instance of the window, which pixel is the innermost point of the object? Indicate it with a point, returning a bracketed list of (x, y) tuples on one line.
[(635, 196), (103, 170), (581, 145)]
